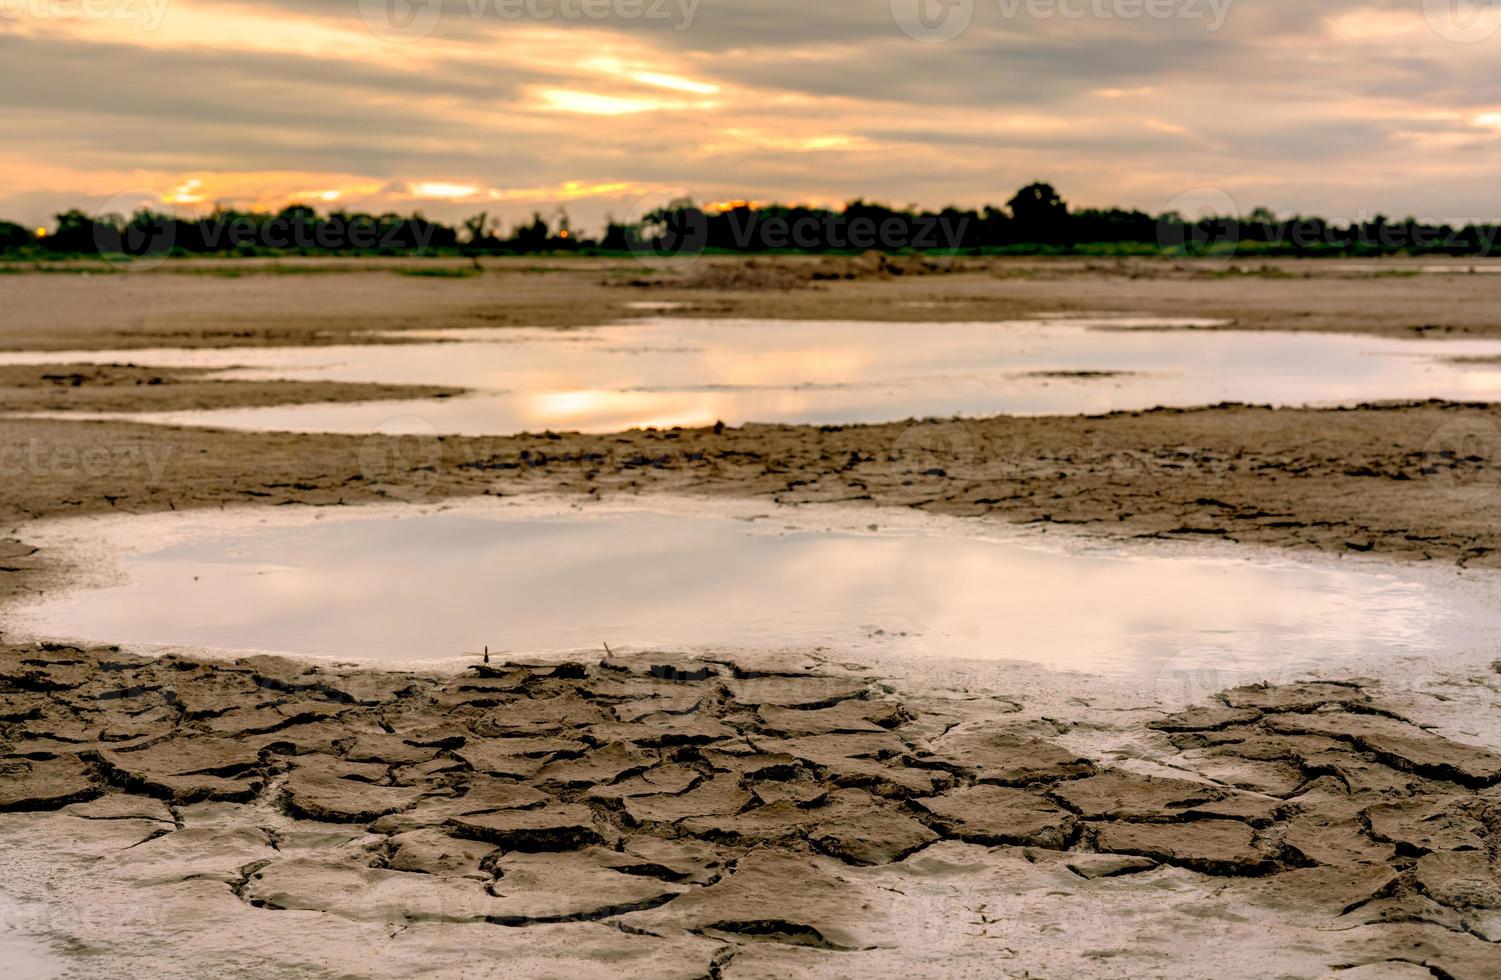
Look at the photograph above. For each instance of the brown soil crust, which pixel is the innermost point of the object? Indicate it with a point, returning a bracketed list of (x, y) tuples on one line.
[(220, 303), (131, 388), (670, 797)]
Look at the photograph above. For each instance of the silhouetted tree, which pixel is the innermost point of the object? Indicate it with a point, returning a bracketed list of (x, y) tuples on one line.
[(478, 231), (531, 237), (1040, 214), (13, 236), (81, 233), (617, 236), (1035, 217)]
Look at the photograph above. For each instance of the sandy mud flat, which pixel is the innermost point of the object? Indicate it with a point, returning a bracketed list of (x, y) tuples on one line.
[(733, 815), (230, 303)]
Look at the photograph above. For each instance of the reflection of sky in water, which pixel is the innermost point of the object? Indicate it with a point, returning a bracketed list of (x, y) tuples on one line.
[(437, 585), (667, 372)]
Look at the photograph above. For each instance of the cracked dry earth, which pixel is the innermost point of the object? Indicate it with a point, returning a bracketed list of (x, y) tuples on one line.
[(661, 816)]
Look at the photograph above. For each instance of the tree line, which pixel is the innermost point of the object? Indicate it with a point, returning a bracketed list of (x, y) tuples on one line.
[(1036, 220)]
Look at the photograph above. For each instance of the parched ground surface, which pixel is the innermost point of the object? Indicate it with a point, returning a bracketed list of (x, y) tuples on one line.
[(660, 816)]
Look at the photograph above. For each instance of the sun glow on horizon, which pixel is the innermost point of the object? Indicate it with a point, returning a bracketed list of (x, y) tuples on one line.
[(439, 189), (186, 193)]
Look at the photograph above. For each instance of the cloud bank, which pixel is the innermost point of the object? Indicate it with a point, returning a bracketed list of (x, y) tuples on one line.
[(455, 106)]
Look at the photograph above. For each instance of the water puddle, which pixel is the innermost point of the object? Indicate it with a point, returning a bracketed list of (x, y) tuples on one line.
[(389, 585), (1408, 269), (690, 372)]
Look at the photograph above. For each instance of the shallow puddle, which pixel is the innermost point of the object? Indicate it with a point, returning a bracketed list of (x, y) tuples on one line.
[(689, 372), (382, 585), (1407, 269)]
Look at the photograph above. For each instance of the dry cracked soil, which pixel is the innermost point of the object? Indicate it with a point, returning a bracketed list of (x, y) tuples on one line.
[(659, 815)]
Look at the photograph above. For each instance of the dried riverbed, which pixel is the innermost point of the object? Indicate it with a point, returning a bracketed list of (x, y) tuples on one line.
[(659, 816)]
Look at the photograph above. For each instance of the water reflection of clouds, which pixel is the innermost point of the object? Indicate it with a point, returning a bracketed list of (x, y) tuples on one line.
[(665, 372), (432, 586)]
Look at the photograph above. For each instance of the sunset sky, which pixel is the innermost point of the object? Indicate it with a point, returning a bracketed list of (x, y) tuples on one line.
[(1335, 106)]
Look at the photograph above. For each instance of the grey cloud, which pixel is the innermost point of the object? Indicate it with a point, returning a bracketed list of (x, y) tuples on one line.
[(1266, 95), (235, 86), (1000, 73)]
